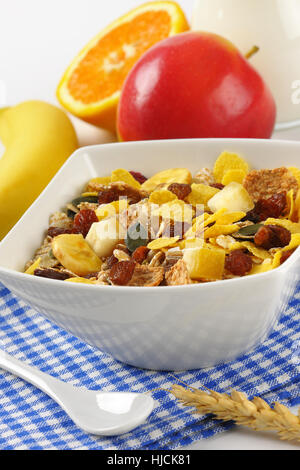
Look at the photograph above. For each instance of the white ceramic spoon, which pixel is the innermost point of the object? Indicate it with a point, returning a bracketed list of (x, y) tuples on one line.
[(100, 413)]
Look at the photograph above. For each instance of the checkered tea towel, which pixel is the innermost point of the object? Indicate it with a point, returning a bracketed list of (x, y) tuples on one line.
[(29, 419)]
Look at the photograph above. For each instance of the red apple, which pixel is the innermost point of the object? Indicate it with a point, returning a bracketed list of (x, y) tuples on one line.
[(195, 84)]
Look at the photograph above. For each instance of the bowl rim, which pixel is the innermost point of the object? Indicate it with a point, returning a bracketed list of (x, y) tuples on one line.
[(205, 285)]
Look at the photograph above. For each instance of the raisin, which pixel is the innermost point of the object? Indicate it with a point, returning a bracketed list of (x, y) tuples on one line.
[(83, 221), (55, 231), (111, 261), (121, 272), (91, 275), (272, 236), (285, 255), (51, 274), (217, 185), (238, 263), (118, 190), (175, 229), (180, 190), (105, 196), (273, 207), (138, 176), (140, 254)]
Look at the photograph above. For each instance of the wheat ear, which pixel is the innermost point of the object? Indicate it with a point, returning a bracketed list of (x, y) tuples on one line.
[(255, 414)]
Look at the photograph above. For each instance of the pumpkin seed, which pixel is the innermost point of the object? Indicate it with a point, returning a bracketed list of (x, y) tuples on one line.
[(247, 232), (79, 200), (137, 236)]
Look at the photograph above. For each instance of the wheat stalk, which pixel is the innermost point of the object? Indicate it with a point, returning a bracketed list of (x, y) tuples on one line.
[(255, 414)]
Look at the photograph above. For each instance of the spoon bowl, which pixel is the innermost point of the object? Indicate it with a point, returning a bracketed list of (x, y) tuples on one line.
[(95, 412)]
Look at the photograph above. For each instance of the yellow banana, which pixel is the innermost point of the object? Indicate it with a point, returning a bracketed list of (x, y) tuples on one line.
[(38, 138)]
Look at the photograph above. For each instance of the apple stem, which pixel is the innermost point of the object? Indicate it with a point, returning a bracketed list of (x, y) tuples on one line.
[(252, 51)]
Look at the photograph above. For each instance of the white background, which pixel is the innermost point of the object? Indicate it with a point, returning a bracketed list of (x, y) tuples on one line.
[(38, 39)]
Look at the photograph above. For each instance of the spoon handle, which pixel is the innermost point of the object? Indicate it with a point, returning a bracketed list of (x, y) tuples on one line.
[(32, 375)]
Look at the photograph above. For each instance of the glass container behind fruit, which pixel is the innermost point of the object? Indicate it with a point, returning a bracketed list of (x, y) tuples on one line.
[(274, 26)]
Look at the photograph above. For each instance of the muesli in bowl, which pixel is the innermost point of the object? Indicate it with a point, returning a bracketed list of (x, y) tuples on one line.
[(174, 228)]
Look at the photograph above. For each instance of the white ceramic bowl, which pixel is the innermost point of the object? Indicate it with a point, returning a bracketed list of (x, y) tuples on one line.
[(170, 328)]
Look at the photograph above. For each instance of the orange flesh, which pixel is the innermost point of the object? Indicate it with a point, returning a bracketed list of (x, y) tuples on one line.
[(105, 66)]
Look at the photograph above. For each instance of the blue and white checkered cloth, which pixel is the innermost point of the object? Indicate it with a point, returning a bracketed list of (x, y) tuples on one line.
[(29, 419)]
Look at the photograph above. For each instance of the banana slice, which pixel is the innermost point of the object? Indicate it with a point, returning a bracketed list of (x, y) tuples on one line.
[(75, 254)]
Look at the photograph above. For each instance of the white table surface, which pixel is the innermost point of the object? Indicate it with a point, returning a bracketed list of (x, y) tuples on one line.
[(37, 40)]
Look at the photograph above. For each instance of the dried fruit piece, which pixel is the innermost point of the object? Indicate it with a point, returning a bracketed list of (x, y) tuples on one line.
[(238, 263), (172, 175), (219, 186), (228, 161), (293, 227), (105, 235), (146, 276), (117, 190), (253, 249), (140, 254), (173, 228), (180, 190), (233, 197), (178, 275), (138, 176), (124, 176), (285, 255), (263, 183), (274, 206), (83, 221), (52, 274), (75, 254), (55, 231), (121, 272), (271, 236), (205, 263)]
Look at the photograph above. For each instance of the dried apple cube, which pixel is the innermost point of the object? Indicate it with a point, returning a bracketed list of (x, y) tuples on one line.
[(233, 197), (204, 263)]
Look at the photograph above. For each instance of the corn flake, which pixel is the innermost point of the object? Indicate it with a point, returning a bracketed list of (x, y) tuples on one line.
[(33, 267), (162, 243), (294, 243), (201, 194), (173, 175), (109, 210), (262, 268), (258, 252), (226, 162), (296, 173), (175, 210), (216, 230), (125, 177), (162, 196), (236, 175), (80, 280), (229, 217)]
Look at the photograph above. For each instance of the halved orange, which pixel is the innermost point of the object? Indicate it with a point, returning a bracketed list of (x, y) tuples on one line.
[(91, 86)]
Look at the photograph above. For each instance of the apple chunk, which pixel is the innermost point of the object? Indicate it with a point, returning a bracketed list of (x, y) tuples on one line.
[(233, 197)]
